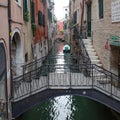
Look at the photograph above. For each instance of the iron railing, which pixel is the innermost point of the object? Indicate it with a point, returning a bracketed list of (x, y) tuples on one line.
[(33, 65), (66, 76), (45, 60), (83, 52)]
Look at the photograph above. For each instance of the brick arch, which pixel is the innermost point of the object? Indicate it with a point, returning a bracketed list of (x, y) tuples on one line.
[(3, 78)]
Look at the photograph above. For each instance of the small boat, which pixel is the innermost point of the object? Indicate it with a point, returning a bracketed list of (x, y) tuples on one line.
[(66, 48)]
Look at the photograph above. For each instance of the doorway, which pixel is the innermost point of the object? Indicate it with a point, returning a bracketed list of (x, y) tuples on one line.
[(89, 20), (16, 55), (3, 83)]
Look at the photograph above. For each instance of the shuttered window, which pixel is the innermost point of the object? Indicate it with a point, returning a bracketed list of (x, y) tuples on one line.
[(25, 10), (75, 17), (43, 20), (40, 18), (101, 9), (49, 15), (32, 12), (43, 1), (25, 6)]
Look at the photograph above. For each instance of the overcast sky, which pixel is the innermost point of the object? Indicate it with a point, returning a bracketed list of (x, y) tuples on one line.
[(59, 8)]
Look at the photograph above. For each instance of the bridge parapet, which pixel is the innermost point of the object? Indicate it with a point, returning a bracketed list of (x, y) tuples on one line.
[(65, 77)]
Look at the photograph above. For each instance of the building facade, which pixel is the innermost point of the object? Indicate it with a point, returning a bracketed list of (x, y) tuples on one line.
[(23, 37), (40, 36), (4, 60), (75, 23), (51, 22), (28, 30), (99, 20), (106, 32), (17, 41)]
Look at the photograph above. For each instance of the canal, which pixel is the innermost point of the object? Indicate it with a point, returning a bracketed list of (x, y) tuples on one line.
[(67, 107)]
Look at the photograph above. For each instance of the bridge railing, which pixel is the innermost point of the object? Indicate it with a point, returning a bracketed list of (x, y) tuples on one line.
[(44, 60), (66, 76), (106, 81), (84, 54), (33, 65)]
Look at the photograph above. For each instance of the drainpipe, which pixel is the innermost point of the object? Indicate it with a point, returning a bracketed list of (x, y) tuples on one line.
[(9, 22)]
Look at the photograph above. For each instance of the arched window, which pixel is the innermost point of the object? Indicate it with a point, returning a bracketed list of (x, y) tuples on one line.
[(3, 81), (2, 61)]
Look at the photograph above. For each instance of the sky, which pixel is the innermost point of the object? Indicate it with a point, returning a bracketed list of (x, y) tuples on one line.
[(59, 8)]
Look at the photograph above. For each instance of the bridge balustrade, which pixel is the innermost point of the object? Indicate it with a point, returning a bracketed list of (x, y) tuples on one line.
[(66, 76)]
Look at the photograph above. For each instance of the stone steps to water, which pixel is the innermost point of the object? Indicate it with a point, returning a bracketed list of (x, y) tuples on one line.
[(91, 51), (94, 59)]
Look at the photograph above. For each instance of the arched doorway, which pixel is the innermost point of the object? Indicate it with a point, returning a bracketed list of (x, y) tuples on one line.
[(3, 83), (16, 54)]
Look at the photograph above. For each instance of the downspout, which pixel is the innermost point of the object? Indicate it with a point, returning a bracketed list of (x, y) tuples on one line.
[(82, 17), (10, 30)]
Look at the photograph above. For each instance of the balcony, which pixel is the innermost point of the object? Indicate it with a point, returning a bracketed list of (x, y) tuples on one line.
[(115, 40)]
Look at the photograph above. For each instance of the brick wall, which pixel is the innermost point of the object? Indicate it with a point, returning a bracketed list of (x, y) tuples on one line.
[(102, 29)]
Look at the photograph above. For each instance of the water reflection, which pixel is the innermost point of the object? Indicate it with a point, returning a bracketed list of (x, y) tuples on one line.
[(62, 108), (60, 59), (69, 108)]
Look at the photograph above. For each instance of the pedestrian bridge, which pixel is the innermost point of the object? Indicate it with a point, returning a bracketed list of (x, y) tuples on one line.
[(52, 80)]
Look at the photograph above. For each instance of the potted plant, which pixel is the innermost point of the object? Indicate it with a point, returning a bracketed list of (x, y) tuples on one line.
[(26, 16), (34, 28)]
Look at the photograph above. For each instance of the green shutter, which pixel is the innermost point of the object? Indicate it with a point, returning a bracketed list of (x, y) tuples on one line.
[(25, 11), (40, 18), (43, 1), (25, 8), (32, 12), (43, 20), (100, 8)]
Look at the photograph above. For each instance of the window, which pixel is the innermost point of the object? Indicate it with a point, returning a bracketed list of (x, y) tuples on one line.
[(43, 1), (18, 2), (40, 18), (43, 20), (26, 57), (101, 9), (66, 16), (3, 79), (65, 26), (75, 17), (25, 11), (49, 15), (44, 42), (32, 12)]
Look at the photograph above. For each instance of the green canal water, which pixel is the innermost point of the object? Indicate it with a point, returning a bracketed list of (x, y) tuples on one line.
[(67, 107)]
